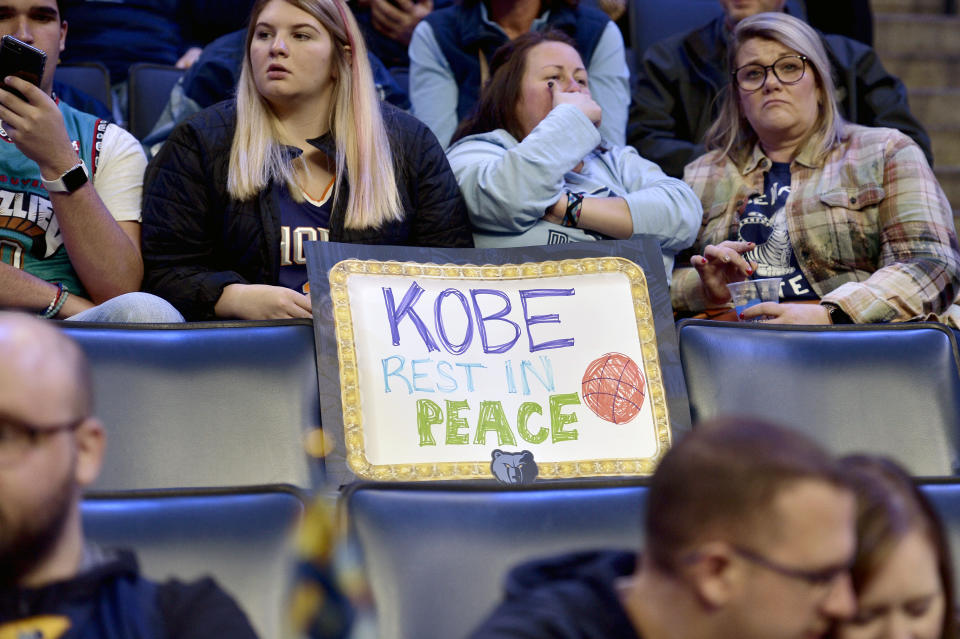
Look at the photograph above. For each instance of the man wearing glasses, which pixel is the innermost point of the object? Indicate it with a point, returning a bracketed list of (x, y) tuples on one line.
[(675, 89), (53, 583), (749, 535)]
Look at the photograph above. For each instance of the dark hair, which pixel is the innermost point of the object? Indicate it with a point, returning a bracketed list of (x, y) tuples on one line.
[(890, 506), (719, 481), (497, 107)]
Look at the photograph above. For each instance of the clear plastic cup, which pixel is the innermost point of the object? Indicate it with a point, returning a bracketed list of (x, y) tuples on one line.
[(750, 292)]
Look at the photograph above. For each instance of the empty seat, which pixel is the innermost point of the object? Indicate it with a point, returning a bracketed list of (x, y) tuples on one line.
[(892, 389), (239, 538), (206, 404), (90, 77), (150, 86), (437, 556)]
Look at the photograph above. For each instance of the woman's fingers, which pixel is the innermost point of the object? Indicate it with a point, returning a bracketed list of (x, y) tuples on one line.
[(729, 255)]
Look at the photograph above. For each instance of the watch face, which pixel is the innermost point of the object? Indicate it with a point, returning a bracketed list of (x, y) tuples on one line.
[(75, 178)]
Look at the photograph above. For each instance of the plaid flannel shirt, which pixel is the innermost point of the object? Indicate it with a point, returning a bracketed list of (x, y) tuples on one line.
[(870, 226)]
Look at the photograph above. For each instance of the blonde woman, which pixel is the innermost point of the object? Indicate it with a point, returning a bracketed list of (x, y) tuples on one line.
[(305, 151), (851, 218)]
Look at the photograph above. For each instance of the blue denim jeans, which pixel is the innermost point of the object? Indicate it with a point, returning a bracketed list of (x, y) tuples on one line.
[(136, 308)]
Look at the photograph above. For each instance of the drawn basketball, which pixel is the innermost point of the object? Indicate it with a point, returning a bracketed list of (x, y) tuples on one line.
[(613, 388)]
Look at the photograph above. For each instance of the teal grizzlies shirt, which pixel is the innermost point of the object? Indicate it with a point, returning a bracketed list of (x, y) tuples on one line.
[(30, 237)]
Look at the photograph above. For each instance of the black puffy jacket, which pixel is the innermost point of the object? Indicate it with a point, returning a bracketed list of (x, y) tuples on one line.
[(197, 239)]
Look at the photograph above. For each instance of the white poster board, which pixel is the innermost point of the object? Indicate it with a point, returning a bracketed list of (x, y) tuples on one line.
[(440, 365)]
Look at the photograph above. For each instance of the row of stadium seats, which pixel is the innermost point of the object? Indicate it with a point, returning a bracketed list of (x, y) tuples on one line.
[(207, 468), (435, 556), (231, 404), (148, 90)]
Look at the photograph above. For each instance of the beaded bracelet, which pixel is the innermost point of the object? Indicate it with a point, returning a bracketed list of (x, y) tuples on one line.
[(50, 312), (59, 305), (574, 204)]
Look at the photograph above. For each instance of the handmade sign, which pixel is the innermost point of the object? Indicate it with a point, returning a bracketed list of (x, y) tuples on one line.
[(452, 371), (494, 381)]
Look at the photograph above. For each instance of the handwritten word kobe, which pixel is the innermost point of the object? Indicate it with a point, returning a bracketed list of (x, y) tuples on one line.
[(475, 318)]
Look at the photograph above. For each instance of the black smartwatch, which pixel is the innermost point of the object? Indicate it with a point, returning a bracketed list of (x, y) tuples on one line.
[(836, 314), (69, 182)]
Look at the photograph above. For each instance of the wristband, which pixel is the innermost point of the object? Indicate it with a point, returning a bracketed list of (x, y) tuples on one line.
[(55, 304), (574, 204)]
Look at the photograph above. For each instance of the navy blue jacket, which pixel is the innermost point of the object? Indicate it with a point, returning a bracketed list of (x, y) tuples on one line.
[(566, 597), (119, 33), (461, 33), (113, 601)]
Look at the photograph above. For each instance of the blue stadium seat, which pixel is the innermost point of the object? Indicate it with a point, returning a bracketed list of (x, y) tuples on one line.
[(436, 556), (892, 389), (90, 77), (241, 538), (150, 86), (205, 404)]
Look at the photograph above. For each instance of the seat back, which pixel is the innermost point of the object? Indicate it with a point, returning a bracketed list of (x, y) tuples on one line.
[(436, 557), (206, 404), (241, 539), (892, 389), (150, 86), (654, 20), (945, 497), (90, 77)]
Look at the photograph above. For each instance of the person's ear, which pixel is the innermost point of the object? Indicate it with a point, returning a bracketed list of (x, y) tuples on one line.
[(63, 37), (713, 573), (91, 443)]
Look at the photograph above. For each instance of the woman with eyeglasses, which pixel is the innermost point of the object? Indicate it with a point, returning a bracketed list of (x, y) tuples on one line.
[(851, 218), (902, 573)]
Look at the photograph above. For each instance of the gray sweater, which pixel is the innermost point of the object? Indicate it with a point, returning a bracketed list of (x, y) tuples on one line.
[(509, 185)]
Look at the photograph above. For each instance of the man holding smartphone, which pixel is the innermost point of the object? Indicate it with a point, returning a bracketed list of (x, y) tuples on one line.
[(70, 188)]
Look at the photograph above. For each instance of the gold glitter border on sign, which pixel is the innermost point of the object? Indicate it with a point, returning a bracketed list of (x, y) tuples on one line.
[(432, 471)]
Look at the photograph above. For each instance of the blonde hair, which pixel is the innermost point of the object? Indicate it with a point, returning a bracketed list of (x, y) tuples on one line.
[(363, 155), (731, 132)]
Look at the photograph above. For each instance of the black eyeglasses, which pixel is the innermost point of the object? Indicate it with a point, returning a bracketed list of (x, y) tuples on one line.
[(789, 70), (818, 578), (17, 436)]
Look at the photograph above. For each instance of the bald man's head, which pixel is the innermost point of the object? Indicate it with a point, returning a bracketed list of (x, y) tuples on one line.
[(51, 448), (45, 364)]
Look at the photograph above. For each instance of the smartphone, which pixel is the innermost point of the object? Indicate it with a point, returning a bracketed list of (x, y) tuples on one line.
[(22, 60)]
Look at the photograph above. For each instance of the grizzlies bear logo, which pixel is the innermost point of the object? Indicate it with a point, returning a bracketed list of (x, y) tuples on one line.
[(516, 469)]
